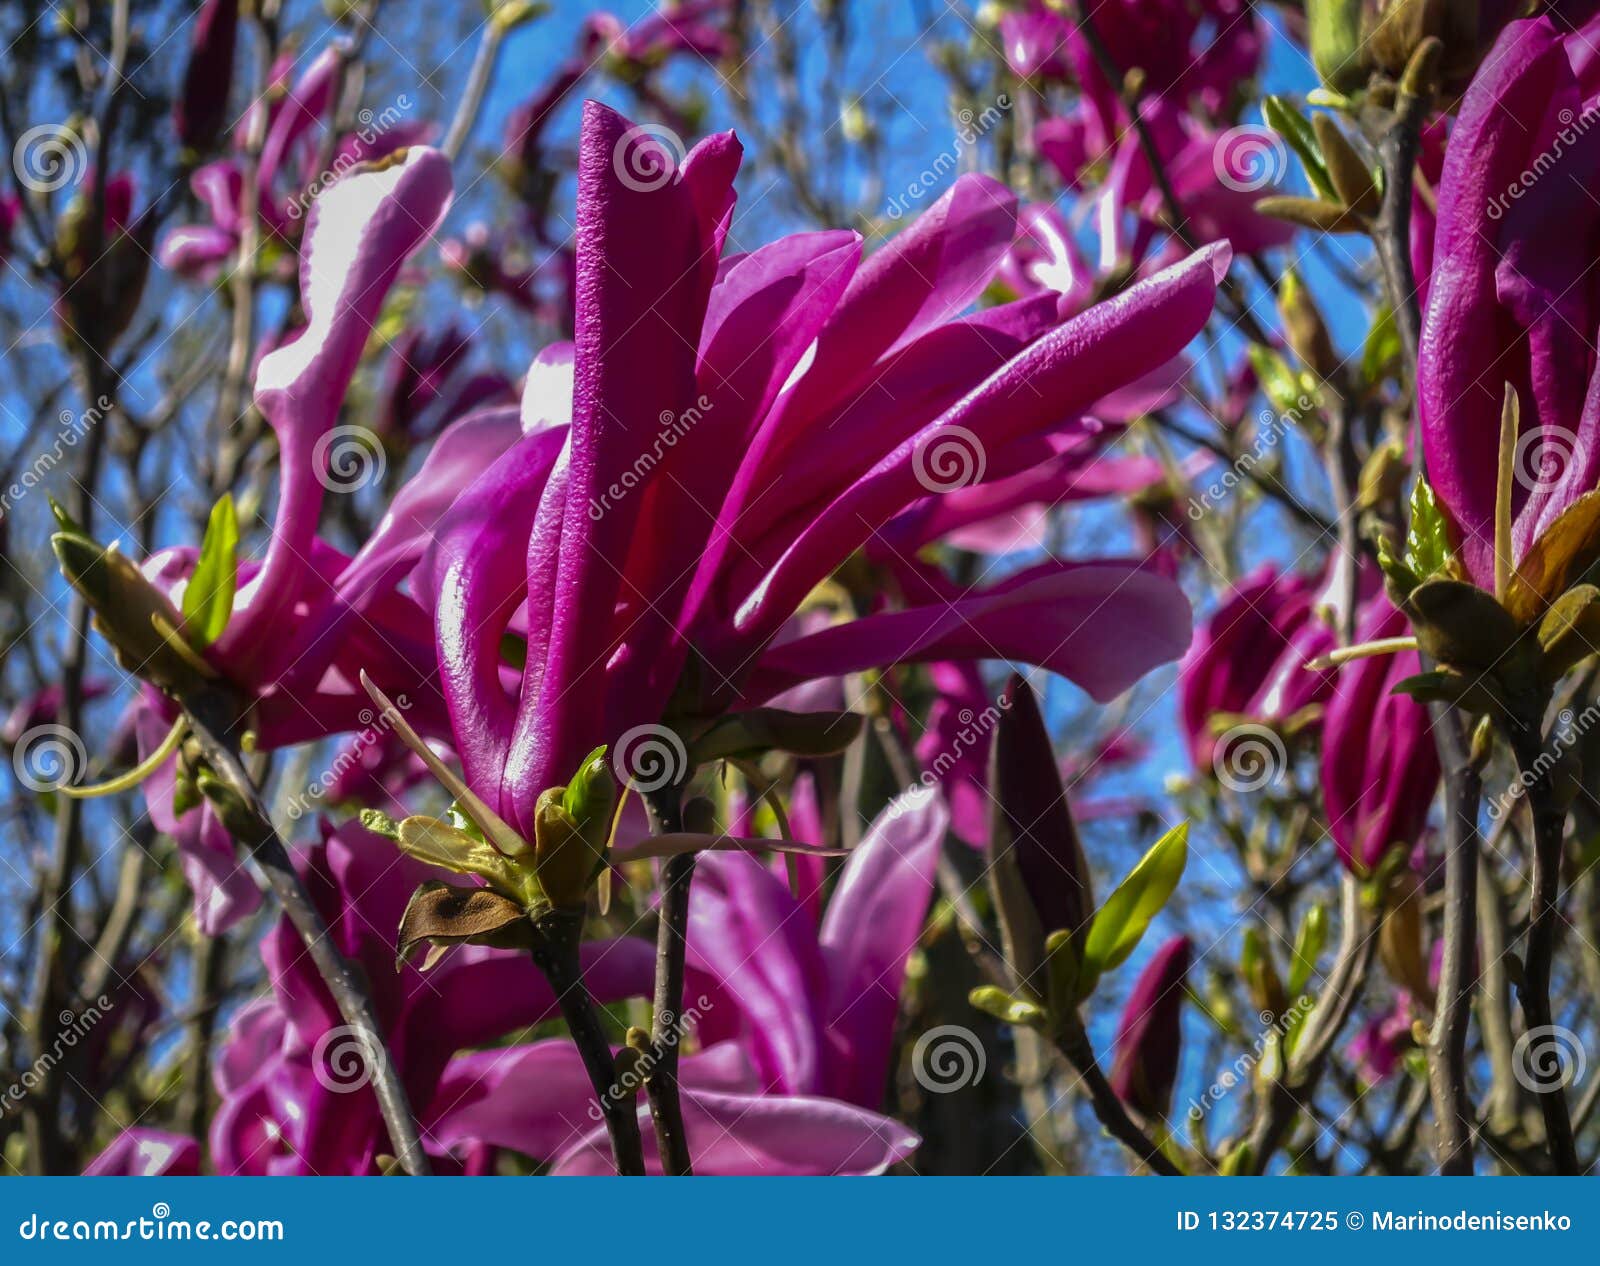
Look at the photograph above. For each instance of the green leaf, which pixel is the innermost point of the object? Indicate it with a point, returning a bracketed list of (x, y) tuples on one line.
[(1395, 570), (1427, 534), (992, 1000), (1309, 939), (1127, 912), (1293, 395), (1382, 347), (208, 597), (1286, 120), (380, 823)]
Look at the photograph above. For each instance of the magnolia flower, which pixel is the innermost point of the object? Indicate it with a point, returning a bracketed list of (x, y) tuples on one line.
[(1248, 661), (287, 175), (1380, 767), (790, 1090), (201, 110), (1145, 1066), (737, 431), (1505, 303)]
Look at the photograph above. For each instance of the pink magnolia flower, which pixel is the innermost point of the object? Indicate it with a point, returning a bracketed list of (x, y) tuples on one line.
[(1507, 303), (738, 430), (1248, 660), (767, 1092), (1149, 1034), (1380, 767)]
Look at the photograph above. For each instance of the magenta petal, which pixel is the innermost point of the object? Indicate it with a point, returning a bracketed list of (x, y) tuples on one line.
[(772, 1135), (360, 232), (755, 950), (1101, 625), (534, 1099), (644, 255), (147, 1153), (871, 926), (1059, 376)]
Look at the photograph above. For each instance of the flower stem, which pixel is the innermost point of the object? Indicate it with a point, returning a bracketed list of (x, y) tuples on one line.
[(1447, 1073), (1544, 918), (666, 1025), (209, 716), (555, 953), (1077, 1051)]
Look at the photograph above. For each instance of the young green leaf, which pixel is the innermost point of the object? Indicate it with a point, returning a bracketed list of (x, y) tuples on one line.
[(1127, 912), (208, 597), (1287, 121), (1427, 535)]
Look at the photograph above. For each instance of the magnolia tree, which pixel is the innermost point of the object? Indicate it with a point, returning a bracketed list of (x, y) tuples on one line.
[(757, 588)]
